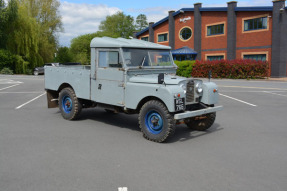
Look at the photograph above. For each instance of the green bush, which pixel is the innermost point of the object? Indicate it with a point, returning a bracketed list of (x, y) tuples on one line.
[(234, 69), (7, 59), (6, 71), (184, 68)]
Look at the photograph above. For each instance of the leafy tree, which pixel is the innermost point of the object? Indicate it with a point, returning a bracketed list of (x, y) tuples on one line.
[(80, 47), (47, 17), (63, 55), (118, 25), (141, 22)]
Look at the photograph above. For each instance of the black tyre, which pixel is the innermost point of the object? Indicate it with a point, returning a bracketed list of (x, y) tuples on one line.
[(36, 73), (69, 104), (201, 123), (155, 121)]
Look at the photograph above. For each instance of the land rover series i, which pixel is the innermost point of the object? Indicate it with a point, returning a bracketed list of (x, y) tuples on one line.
[(133, 77)]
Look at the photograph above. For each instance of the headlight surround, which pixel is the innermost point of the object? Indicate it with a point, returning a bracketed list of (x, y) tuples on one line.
[(198, 86), (182, 84)]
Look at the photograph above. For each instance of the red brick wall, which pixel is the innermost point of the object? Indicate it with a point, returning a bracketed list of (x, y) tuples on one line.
[(179, 25), (254, 38), (162, 28), (217, 41)]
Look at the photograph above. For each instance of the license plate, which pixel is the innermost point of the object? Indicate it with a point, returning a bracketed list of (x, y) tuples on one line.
[(179, 104)]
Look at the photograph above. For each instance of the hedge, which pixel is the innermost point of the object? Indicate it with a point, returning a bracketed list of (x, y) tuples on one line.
[(184, 68), (13, 62), (234, 69)]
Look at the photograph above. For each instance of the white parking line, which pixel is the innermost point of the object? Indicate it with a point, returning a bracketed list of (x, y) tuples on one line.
[(239, 100), (275, 94), (9, 87), (247, 87), (20, 92), (30, 101)]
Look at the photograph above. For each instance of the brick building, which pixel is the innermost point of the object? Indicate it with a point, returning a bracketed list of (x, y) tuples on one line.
[(226, 33)]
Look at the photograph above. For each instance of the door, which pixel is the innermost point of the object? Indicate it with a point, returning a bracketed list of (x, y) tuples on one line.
[(109, 82)]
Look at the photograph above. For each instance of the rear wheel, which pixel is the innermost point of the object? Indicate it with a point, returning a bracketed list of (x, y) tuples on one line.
[(69, 104), (36, 73), (201, 123), (156, 123)]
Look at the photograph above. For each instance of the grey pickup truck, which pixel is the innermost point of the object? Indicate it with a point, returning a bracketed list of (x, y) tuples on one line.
[(133, 77)]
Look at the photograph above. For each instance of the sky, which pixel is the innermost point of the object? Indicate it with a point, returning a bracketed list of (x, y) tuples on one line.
[(82, 17)]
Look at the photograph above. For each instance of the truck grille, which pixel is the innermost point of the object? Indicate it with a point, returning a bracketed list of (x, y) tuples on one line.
[(190, 91)]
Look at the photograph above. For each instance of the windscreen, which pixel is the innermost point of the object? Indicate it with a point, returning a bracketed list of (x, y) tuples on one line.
[(147, 58)]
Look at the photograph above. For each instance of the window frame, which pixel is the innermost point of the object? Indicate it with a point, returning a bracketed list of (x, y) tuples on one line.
[(163, 33), (179, 34), (255, 53), (215, 24), (215, 54), (255, 17), (120, 64)]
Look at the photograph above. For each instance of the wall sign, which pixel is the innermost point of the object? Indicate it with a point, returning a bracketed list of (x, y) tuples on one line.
[(183, 20)]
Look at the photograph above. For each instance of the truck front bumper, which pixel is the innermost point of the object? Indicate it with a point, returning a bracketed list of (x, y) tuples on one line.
[(188, 114)]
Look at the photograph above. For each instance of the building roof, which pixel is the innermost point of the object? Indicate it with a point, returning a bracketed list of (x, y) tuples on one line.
[(107, 42), (183, 51), (207, 9)]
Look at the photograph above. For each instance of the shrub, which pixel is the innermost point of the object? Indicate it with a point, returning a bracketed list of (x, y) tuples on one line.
[(184, 68), (235, 69), (6, 71)]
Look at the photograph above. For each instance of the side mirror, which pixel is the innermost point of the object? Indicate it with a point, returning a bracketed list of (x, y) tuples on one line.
[(161, 78)]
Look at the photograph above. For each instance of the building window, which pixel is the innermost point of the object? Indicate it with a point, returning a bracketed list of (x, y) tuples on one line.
[(215, 30), (217, 57), (185, 33), (162, 37), (255, 24), (144, 38), (257, 57)]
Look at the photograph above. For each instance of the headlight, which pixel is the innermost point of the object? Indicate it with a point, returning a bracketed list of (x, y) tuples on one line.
[(198, 87), (182, 84)]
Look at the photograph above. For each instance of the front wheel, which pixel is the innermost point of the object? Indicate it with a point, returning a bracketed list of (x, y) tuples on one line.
[(155, 121), (69, 104), (201, 123)]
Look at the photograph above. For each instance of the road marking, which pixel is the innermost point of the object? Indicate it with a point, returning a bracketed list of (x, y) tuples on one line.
[(238, 100), (20, 92), (275, 94), (247, 87), (8, 81), (9, 87), (30, 101)]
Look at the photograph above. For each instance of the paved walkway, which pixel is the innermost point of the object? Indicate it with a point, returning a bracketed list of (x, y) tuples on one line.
[(277, 79)]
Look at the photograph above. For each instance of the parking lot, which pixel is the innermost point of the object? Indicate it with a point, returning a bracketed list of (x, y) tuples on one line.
[(246, 148)]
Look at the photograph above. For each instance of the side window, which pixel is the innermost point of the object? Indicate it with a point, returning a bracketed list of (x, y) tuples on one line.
[(109, 59)]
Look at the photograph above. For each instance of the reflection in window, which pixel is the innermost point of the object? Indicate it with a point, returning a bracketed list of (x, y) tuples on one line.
[(162, 37), (255, 24), (108, 59), (215, 30), (212, 58), (258, 57)]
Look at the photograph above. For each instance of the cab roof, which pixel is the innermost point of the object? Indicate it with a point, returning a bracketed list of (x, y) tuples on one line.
[(107, 42)]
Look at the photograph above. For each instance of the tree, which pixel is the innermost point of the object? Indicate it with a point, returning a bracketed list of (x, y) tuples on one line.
[(141, 22), (118, 25), (63, 55), (47, 16), (80, 47)]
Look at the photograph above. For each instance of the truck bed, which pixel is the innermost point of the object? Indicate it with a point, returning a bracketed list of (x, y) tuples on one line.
[(76, 76)]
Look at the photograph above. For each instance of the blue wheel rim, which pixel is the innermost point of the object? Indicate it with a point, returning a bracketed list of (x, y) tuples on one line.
[(154, 122), (67, 104)]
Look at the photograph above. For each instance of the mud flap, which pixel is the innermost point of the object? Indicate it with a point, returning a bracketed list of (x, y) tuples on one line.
[(52, 98)]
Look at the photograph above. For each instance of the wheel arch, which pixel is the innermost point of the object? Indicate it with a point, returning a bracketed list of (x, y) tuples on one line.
[(65, 85), (146, 99)]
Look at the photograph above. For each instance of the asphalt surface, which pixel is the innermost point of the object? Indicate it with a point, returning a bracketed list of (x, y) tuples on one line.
[(246, 148)]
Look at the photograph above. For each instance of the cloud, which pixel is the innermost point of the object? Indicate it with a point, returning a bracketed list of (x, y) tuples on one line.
[(81, 19)]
